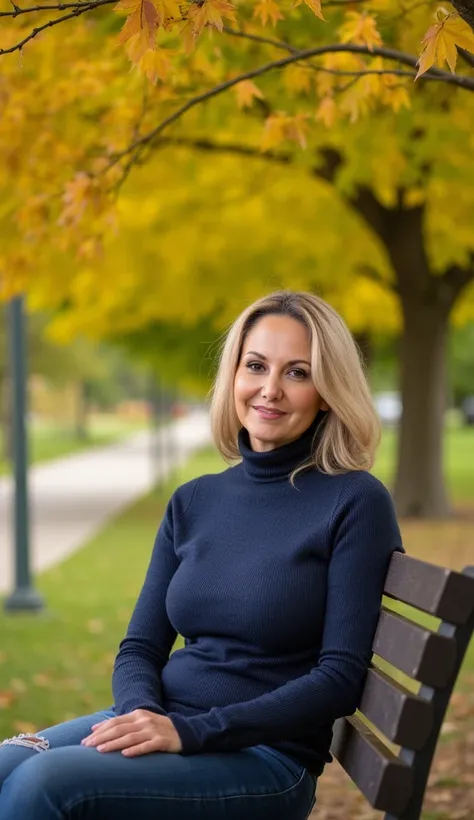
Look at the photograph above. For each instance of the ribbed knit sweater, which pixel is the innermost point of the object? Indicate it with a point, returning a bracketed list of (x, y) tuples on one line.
[(276, 590)]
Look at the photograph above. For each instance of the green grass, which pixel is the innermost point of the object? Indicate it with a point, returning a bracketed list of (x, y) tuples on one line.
[(47, 442), (57, 664)]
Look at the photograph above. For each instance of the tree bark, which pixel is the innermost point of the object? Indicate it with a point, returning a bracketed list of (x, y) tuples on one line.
[(420, 489), (427, 301), (466, 9)]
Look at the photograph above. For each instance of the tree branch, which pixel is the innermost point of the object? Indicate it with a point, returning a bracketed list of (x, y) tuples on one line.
[(282, 45), (467, 56), (455, 279), (466, 9), (372, 273), (34, 33), (391, 54), (56, 7)]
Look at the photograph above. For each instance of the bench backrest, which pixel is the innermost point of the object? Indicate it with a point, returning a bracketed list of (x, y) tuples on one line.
[(389, 712)]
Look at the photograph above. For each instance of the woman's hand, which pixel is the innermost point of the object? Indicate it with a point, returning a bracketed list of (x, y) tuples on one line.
[(138, 733)]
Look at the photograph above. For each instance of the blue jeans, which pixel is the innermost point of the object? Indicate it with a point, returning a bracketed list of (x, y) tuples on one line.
[(67, 781)]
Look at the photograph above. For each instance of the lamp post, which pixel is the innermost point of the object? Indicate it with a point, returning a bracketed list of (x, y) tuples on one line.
[(24, 597)]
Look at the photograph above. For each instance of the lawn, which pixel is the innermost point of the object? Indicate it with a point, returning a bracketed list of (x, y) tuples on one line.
[(56, 665), (49, 441)]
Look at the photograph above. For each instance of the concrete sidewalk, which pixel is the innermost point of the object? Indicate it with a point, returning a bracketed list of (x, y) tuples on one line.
[(72, 498)]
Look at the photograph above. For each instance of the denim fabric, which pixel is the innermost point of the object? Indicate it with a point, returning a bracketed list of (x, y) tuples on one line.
[(72, 782)]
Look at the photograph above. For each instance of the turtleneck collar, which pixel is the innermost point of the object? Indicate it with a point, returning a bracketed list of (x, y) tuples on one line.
[(277, 464)]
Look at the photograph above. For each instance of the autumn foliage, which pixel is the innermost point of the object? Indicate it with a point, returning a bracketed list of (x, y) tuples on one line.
[(271, 79)]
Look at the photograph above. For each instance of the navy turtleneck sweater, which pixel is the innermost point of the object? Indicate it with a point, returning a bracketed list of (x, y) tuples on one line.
[(276, 590)]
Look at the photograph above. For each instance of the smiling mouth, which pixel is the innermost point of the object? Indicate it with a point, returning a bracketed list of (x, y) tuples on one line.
[(268, 413)]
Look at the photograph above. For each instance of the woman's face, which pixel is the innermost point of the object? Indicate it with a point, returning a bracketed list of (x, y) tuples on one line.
[(275, 397)]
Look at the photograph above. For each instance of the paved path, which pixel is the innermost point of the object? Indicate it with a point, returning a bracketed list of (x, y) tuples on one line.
[(72, 497)]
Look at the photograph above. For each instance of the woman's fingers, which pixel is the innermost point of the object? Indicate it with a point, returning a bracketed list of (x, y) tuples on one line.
[(109, 732), (158, 744), (123, 742)]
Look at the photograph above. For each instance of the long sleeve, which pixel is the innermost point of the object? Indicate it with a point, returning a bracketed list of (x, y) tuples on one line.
[(363, 532), (136, 680)]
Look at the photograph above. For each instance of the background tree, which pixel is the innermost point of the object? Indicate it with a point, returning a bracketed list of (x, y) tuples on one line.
[(341, 89)]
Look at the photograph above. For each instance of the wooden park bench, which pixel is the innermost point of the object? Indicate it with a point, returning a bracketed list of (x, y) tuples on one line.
[(389, 711)]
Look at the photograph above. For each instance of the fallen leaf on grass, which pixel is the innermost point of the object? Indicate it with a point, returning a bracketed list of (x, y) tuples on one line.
[(24, 726), (40, 679), (18, 685), (7, 697), (95, 626)]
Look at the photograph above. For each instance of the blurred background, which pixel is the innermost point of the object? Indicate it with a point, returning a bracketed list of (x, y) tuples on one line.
[(330, 177)]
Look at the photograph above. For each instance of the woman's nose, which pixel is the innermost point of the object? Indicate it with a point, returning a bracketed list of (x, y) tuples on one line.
[(271, 390)]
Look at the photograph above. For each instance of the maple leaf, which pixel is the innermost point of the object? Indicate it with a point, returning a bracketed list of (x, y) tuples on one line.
[(327, 111), (298, 79), (76, 198), (361, 29), (281, 126), (267, 10), (246, 92), (442, 40), (206, 13), (155, 64), (143, 20), (168, 12), (314, 5)]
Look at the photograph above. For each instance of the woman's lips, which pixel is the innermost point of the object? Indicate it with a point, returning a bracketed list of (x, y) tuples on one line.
[(268, 414)]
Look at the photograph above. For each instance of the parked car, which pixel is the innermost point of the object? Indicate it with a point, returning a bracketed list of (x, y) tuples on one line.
[(389, 407), (467, 410)]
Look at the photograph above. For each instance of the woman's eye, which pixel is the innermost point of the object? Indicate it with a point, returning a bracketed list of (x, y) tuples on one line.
[(252, 365), (299, 374)]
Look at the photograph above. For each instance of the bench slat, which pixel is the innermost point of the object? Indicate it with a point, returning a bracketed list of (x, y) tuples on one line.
[(386, 782), (442, 592), (420, 653), (403, 717)]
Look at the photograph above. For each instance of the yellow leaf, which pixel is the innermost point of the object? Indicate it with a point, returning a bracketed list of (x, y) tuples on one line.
[(442, 40), (327, 112), (246, 92), (143, 20), (24, 726), (297, 79), (168, 12), (6, 699), (18, 685), (314, 5), (397, 98), (95, 626), (428, 55), (280, 127), (42, 680), (137, 46), (267, 10), (361, 29), (155, 64)]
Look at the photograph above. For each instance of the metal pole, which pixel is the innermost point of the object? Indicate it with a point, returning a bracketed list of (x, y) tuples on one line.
[(24, 597)]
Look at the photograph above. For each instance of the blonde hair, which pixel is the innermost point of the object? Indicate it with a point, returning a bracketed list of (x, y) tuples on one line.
[(349, 433)]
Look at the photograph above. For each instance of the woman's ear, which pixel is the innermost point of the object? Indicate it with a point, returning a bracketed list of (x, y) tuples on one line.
[(324, 406)]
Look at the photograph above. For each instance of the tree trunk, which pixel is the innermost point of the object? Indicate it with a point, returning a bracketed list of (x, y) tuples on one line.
[(419, 487)]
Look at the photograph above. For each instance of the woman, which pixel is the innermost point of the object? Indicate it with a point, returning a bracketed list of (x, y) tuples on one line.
[(272, 570)]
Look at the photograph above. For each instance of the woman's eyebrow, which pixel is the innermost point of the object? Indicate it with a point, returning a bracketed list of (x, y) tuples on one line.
[(261, 356)]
